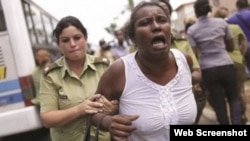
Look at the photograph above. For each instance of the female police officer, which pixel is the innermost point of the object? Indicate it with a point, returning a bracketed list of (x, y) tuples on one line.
[(68, 86)]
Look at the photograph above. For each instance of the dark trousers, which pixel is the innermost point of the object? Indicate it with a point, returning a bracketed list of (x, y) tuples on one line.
[(221, 83)]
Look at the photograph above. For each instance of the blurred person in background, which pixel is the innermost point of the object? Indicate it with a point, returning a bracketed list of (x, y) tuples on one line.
[(188, 22), (211, 40), (104, 51), (90, 49), (121, 46), (240, 46), (43, 60), (242, 18)]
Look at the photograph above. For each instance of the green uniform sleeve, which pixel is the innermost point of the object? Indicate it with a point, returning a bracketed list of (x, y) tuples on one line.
[(132, 49), (184, 46), (48, 94), (192, 55), (242, 36)]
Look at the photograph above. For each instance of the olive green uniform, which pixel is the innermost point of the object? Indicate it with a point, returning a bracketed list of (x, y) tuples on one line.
[(238, 60), (236, 55), (62, 89), (184, 46)]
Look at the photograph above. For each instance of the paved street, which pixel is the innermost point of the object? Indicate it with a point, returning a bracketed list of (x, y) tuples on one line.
[(208, 117)]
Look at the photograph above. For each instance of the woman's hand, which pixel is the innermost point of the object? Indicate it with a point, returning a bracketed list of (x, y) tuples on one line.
[(121, 126), (109, 107), (91, 105)]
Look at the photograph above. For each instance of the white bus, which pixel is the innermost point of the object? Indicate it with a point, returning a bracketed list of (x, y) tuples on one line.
[(24, 27)]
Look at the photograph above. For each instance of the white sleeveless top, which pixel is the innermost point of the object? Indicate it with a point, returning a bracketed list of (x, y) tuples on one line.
[(157, 106)]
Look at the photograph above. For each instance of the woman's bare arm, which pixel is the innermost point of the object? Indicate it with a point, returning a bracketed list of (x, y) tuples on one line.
[(110, 86)]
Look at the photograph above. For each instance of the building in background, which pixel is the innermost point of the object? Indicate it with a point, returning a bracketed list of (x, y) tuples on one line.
[(187, 10), (223, 3), (182, 11)]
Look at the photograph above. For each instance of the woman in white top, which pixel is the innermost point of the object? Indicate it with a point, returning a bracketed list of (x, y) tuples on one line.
[(153, 85)]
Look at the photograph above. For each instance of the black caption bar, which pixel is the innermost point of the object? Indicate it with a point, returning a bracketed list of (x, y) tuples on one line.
[(180, 132)]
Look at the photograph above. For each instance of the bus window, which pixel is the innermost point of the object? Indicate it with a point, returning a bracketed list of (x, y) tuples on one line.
[(30, 23), (48, 28), (38, 25), (54, 23), (2, 19), (35, 24)]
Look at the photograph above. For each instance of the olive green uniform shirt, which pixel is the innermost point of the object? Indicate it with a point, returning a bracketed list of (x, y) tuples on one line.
[(62, 89), (236, 55), (184, 46), (238, 35)]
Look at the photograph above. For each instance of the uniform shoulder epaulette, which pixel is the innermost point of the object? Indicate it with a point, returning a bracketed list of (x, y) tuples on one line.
[(101, 60), (51, 67), (180, 38)]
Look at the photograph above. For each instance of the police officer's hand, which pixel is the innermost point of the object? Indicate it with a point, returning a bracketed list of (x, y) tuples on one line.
[(90, 105), (110, 107), (121, 126)]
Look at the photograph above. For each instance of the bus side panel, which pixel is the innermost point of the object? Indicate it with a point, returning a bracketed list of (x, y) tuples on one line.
[(14, 116), (19, 121), (10, 89)]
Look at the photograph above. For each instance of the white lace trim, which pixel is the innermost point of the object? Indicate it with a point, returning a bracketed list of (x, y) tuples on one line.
[(168, 105)]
